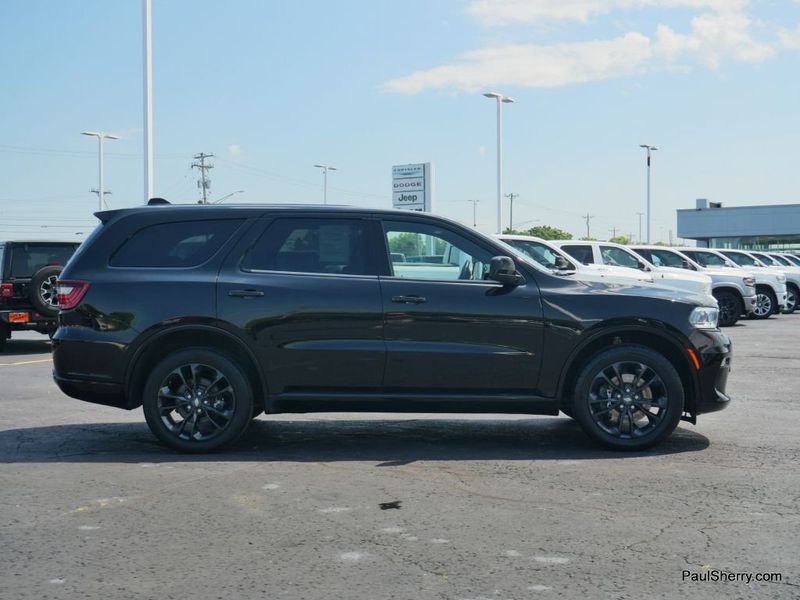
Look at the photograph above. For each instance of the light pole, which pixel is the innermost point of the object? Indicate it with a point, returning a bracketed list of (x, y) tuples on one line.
[(325, 169), (147, 59), (640, 225), (101, 191), (649, 149), (500, 99), (474, 212), (226, 196)]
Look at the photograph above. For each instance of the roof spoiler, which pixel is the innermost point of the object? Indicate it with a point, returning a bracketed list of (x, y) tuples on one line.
[(157, 201)]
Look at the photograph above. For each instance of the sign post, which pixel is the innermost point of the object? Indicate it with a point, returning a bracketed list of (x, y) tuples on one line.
[(412, 187)]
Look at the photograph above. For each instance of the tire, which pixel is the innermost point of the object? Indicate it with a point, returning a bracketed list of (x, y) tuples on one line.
[(4, 335), (730, 307), (660, 394), (187, 409), (792, 296), (42, 290), (766, 303)]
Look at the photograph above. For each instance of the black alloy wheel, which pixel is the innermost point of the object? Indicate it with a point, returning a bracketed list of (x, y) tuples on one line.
[(197, 400), (730, 307), (628, 398), (43, 292)]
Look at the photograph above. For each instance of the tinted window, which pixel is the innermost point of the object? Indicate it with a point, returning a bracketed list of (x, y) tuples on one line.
[(781, 260), (582, 254), (178, 244), (617, 257), (335, 246), (542, 254), (741, 259), (767, 260), (432, 252), (707, 259), (665, 258), (26, 259)]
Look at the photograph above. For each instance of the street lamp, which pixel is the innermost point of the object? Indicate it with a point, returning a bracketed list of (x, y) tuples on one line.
[(649, 149), (501, 99), (100, 137), (226, 196), (325, 169), (474, 212)]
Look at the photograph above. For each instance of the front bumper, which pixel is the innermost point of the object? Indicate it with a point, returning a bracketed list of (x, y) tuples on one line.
[(749, 303), (714, 350)]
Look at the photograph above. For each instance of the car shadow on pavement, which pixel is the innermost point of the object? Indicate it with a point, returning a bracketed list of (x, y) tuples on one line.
[(15, 348), (389, 442)]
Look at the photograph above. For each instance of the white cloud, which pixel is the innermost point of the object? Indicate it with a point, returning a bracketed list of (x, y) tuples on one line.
[(790, 38), (504, 12), (234, 150), (722, 32), (531, 65)]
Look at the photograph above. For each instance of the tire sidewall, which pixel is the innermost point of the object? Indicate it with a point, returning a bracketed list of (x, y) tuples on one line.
[(791, 288), (236, 377), (33, 293), (654, 360)]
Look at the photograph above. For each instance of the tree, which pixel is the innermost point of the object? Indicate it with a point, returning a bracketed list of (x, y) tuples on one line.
[(620, 239), (405, 243), (546, 232)]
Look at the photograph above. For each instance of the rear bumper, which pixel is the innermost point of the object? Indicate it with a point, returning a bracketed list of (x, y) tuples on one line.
[(97, 392), (27, 320), (714, 351)]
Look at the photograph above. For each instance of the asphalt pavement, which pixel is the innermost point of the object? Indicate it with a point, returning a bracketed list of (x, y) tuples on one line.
[(373, 506)]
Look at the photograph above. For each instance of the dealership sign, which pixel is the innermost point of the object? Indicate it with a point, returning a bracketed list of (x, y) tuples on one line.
[(412, 187)]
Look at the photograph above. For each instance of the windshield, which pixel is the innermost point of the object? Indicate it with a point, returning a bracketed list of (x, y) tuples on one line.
[(665, 258), (742, 259), (766, 259), (785, 262), (535, 250), (793, 259)]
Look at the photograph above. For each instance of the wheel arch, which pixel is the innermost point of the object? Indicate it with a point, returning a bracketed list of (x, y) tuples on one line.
[(175, 338), (659, 340), (727, 287)]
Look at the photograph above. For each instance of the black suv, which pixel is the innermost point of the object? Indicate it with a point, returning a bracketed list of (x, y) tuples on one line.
[(210, 315), (28, 274)]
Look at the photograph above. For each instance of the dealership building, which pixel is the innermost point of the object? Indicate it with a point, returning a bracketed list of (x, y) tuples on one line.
[(770, 227)]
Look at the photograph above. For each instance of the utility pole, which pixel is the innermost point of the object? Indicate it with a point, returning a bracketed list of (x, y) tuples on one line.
[(640, 225), (511, 197), (204, 183), (474, 212), (613, 231), (588, 218), (101, 190)]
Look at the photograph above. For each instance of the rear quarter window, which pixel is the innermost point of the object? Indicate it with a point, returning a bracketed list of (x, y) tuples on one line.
[(179, 244)]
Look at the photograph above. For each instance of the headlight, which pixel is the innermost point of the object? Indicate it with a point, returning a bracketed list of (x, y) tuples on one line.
[(704, 317), (749, 281), (781, 278)]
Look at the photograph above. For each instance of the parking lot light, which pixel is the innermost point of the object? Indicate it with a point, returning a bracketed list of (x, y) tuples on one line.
[(101, 191)]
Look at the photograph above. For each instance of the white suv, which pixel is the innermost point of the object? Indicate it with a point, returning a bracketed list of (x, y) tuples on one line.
[(770, 285), (608, 253), (734, 289), (552, 258), (792, 273)]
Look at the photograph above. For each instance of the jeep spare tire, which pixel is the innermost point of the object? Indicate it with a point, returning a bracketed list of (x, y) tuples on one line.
[(42, 291)]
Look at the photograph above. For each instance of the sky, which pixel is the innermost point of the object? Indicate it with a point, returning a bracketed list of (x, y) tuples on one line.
[(273, 87)]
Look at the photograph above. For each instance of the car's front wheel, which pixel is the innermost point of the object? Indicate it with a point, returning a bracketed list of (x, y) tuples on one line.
[(730, 307), (766, 303), (791, 298), (197, 400), (628, 398)]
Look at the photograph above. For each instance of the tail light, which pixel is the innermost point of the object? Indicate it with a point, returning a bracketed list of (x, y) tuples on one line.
[(70, 293), (6, 290)]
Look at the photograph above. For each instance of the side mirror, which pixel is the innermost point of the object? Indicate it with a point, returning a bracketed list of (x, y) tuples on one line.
[(686, 264), (642, 266), (561, 264), (503, 270)]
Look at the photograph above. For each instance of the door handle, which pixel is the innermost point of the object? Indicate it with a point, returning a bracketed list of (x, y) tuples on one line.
[(409, 299), (245, 294)]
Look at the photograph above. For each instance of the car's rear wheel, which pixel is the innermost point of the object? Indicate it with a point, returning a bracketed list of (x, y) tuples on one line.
[(628, 398), (730, 307), (792, 295), (197, 400), (4, 331), (766, 303)]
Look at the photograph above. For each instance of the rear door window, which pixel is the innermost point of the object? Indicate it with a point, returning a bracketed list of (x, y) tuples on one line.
[(178, 244), (581, 253), (26, 259), (313, 245)]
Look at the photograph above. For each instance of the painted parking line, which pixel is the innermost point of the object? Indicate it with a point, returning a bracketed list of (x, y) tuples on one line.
[(26, 362)]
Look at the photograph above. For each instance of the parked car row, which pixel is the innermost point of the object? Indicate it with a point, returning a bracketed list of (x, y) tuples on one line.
[(752, 284)]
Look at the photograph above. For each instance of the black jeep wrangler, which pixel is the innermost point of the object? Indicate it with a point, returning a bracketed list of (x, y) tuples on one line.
[(28, 275)]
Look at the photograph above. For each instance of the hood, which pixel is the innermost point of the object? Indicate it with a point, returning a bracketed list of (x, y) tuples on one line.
[(658, 292)]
